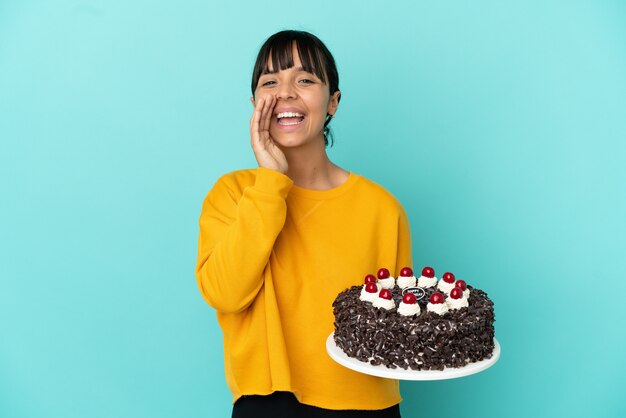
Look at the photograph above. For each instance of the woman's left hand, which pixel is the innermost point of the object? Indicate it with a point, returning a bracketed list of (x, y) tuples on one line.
[(266, 151)]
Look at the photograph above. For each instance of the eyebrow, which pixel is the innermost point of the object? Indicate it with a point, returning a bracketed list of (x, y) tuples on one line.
[(297, 69)]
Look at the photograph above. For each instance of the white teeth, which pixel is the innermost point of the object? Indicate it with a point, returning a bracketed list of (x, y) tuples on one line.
[(289, 115)]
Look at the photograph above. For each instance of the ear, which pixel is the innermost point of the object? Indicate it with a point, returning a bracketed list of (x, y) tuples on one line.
[(252, 100), (333, 103)]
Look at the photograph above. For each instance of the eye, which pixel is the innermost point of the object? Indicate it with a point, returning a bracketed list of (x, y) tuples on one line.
[(307, 81), (267, 83)]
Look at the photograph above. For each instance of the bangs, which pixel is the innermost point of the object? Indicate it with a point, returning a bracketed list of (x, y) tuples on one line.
[(279, 51)]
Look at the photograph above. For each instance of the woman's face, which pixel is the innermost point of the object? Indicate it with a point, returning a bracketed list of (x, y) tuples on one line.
[(301, 106)]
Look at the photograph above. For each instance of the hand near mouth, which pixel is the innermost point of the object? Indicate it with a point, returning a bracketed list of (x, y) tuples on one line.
[(266, 151)]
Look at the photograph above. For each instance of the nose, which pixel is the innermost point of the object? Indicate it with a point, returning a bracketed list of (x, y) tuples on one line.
[(286, 91)]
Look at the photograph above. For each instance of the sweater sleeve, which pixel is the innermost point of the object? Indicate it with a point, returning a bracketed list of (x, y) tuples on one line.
[(236, 238)]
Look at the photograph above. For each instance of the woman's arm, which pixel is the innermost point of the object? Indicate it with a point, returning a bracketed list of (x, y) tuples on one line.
[(237, 236), (237, 233)]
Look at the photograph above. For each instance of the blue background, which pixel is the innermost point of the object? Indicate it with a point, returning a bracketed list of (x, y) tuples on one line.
[(499, 125)]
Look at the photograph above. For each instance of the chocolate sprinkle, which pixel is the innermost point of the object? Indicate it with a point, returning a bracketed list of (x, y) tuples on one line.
[(425, 342)]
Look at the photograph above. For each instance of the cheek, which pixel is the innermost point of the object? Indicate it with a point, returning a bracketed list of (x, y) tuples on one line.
[(319, 104)]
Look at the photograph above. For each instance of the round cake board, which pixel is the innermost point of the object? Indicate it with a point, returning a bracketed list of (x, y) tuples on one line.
[(340, 357)]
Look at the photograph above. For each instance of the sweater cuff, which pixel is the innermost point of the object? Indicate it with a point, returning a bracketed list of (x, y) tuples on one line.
[(272, 181)]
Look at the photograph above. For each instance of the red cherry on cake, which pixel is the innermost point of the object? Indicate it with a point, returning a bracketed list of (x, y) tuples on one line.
[(370, 279), (436, 297), (448, 277), (406, 272), (383, 274), (461, 284), (409, 298), (371, 288), (428, 272), (385, 294), (456, 293)]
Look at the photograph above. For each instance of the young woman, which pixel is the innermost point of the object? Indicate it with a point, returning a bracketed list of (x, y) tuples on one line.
[(279, 242)]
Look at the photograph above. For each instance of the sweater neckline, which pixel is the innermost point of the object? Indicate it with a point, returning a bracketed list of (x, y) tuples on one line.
[(325, 194)]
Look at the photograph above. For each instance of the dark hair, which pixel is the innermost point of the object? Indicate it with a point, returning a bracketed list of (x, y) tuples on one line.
[(315, 58)]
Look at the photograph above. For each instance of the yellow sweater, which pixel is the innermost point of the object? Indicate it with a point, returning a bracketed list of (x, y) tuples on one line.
[(272, 257)]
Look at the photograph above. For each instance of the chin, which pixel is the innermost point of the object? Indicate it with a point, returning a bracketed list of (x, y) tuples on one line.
[(288, 141), (293, 140), (289, 144)]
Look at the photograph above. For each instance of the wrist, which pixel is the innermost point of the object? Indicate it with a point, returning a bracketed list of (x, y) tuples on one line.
[(272, 181)]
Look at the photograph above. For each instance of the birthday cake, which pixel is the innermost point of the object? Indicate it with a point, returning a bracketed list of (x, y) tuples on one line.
[(414, 323)]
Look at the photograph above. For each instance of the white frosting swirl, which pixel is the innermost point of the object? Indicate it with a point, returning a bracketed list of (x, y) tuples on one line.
[(438, 308), (466, 293), (408, 309), (457, 303), (367, 296), (445, 286), (383, 303), (406, 281), (387, 283), (424, 281)]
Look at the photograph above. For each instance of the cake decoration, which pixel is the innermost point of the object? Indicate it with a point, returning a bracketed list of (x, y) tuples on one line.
[(409, 305), (369, 292), (446, 284), (406, 278), (463, 286), (384, 300), (436, 304), (456, 299), (427, 279), (385, 279), (419, 292)]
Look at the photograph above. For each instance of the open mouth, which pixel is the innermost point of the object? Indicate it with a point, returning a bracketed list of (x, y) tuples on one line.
[(289, 118)]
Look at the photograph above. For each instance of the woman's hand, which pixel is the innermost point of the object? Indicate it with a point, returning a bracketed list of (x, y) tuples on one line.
[(266, 151)]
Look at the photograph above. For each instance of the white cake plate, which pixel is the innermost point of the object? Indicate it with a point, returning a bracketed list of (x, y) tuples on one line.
[(381, 370)]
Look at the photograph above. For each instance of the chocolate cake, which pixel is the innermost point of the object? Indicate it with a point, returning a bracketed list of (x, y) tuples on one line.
[(451, 328)]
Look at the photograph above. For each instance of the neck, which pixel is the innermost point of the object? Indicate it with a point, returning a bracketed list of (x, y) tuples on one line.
[(312, 169)]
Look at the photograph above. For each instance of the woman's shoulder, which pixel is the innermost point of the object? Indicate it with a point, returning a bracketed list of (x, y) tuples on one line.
[(376, 193), (245, 176), (234, 182)]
